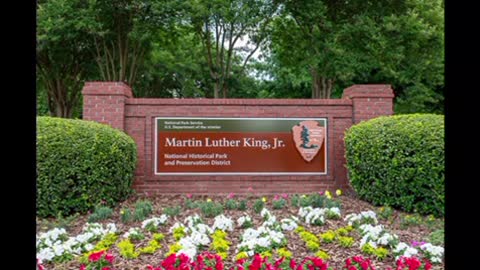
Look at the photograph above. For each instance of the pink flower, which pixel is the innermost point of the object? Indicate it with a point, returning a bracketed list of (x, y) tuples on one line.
[(231, 195), (82, 267), (189, 195), (285, 195), (250, 189), (276, 198), (109, 257), (321, 192), (106, 268)]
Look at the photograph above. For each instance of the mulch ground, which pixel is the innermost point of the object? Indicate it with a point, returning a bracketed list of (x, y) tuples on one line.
[(349, 202)]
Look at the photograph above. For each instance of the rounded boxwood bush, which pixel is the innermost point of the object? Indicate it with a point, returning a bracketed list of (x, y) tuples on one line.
[(399, 161), (81, 164)]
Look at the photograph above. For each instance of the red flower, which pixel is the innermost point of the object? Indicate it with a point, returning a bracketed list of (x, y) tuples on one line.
[(106, 268), (278, 262), (428, 265), (96, 256), (293, 264), (352, 267), (82, 267), (357, 259), (365, 265), (348, 262)]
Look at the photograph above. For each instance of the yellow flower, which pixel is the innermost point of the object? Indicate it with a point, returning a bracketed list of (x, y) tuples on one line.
[(264, 199), (303, 196), (329, 196), (122, 212), (209, 200), (338, 192), (381, 209)]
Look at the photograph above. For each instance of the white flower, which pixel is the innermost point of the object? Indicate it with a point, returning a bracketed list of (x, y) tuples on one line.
[(288, 224), (223, 223), (365, 217), (405, 250), (263, 242), (191, 221), (334, 211), (132, 231), (89, 247), (155, 221), (241, 220), (176, 225), (45, 254), (435, 253), (303, 211), (202, 228), (270, 221), (250, 233), (190, 252), (265, 213), (111, 228), (386, 239)]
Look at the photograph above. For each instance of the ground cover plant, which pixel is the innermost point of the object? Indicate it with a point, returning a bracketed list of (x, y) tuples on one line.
[(343, 233)]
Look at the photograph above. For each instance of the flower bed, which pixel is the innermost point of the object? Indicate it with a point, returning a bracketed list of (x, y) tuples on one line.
[(304, 232)]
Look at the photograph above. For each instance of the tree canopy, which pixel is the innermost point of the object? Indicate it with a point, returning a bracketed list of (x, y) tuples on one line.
[(240, 48)]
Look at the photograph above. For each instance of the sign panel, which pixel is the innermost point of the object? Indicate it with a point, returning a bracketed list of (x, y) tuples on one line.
[(236, 146)]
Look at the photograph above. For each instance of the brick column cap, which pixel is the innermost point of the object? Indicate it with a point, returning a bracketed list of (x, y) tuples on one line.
[(368, 90), (107, 89)]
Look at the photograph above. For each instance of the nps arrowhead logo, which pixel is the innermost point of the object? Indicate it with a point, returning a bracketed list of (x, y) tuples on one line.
[(308, 137)]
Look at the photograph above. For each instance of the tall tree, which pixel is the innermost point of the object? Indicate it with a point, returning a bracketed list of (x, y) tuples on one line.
[(123, 31), (64, 55), (220, 25), (339, 42)]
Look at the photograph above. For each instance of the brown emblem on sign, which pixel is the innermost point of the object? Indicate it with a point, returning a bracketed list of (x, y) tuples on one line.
[(308, 137)]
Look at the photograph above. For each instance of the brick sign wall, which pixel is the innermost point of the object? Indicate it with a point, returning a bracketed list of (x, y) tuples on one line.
[(113, 103)]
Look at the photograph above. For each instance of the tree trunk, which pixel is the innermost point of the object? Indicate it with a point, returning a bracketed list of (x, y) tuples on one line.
[(316, 83), (216, 90), (225, 90), (321, 86), (58, 103)]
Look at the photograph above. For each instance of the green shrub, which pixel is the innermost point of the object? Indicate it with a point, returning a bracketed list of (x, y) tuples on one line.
[(79, 164), (399, 161), (172, 211), (100, 213), (279, 203), (231, 204), (126, 215), (437, 237), (242, 205), (211, 209), (258, 205), (142, 210)]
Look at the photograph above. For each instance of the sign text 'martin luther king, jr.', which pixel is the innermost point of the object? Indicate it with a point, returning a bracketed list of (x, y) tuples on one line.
[(274, 146)]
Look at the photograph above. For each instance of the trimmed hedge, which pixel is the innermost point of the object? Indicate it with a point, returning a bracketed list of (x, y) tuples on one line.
[(399, 161), (80, 164)]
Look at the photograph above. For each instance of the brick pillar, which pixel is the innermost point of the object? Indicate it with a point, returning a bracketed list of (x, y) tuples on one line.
[(104, 102), (370, 100)]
